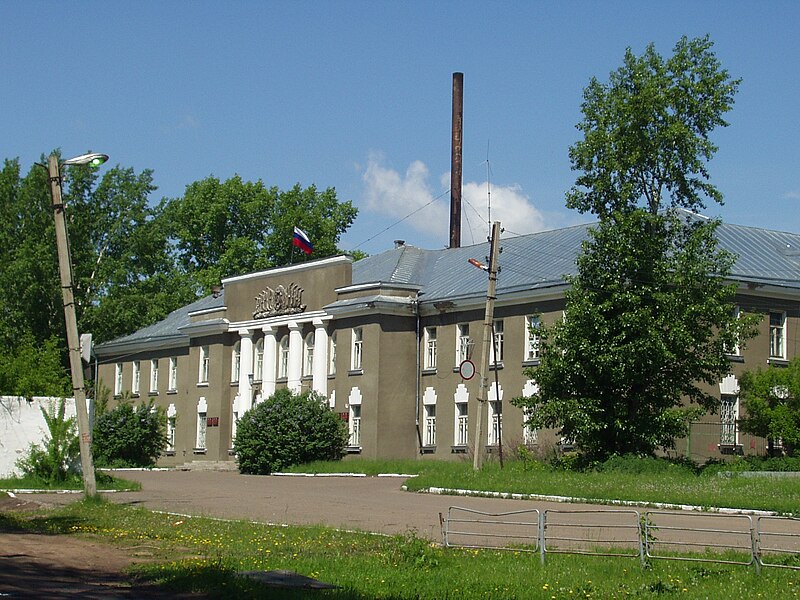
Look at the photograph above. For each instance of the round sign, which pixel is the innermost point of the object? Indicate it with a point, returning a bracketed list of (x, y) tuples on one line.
[(467, 370)]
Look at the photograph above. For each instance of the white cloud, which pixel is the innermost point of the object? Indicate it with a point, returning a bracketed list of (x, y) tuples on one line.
[(397, 196), (792, 195)]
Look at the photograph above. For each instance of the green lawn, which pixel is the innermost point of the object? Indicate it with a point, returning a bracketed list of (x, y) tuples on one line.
[(205, 555), (104, 482)]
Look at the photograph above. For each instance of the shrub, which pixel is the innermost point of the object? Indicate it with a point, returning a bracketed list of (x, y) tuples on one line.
[(57, 459), (129, 436), (288, 429)]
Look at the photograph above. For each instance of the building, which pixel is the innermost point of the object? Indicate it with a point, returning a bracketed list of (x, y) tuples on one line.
[(383, 338)]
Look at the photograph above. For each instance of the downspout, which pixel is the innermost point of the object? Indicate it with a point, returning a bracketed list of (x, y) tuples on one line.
[(415, 305)]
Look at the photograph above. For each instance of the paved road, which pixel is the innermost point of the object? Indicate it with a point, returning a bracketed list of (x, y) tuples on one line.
[(375, 504)]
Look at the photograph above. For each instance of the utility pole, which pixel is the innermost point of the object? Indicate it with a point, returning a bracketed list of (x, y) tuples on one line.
[(73, 341), (488, 329)]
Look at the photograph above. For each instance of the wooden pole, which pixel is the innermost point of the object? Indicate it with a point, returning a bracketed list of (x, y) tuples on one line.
[(488, 328)]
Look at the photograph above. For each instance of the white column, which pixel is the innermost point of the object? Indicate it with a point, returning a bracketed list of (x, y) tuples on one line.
[(320, 367), (295, 370), (245, 368), (270, 366)]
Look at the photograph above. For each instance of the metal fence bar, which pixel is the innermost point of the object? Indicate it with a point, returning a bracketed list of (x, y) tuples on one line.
[(784, 538), (650, 539), (491, 527), (585, 540)]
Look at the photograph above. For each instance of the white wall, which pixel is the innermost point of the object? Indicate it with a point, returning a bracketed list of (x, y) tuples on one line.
[(21, 424)]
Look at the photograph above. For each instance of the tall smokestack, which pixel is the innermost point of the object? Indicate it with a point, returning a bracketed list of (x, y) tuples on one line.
[(455, 160)]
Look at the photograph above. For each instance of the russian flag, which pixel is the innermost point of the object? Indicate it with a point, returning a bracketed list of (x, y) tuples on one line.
[(301, 241)]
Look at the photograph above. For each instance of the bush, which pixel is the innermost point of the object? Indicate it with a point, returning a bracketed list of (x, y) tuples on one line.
[(129, 436), (57, 459), (288, 429)]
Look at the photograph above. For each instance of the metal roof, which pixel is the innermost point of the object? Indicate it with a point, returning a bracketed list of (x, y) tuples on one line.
[(536, 261)]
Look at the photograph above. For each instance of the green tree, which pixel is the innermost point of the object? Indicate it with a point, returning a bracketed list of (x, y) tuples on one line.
[(130, 436), (288, 429), (648, 316), (30, 369), (225, 228), (771, 402)]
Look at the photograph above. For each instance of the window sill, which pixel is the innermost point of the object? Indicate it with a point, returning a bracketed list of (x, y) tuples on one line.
[(428, 449), (172, 392), (534, 362), (458, 449), (737, 358), (777, 361), (199, 451), (354, 449), (731, 449), (152, 393), (231, 452), (496, 366), (354, 372), (133, 395), (429, 371), (169, 453), (202, 384)]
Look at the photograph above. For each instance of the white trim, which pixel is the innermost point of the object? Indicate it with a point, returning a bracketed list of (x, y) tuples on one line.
[(342, 258)]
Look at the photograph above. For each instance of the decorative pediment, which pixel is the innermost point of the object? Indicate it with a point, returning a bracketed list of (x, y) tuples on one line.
[(279, 301)]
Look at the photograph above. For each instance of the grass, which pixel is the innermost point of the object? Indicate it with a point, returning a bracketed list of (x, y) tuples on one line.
[(658, 481), (75, 482), (197, 554)]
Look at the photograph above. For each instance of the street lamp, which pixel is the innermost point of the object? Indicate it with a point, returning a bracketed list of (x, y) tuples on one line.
[(73, 341)]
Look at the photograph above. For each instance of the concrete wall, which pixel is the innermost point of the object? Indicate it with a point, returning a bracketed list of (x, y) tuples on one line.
[(22, 424)]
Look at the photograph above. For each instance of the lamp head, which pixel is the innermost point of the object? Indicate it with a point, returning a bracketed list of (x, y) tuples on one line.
[(92, 159)]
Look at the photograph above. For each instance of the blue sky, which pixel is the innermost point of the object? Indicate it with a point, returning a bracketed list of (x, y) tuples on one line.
[(357, 95)]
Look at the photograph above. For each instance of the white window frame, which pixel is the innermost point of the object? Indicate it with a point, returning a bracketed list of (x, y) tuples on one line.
[(430, 425), (357, 349), (202, 431), (283, 357), (530, 435), (728, 415), (171, 421), (136, 378), (332, 354), (118, 379), (430, 347), (154, 376), (173, 374), (461, 416), (308, 355), (532, 324), (236, 362), (354, 426), (202, 374), (495, 422), (462, 343), (258, 371), (499, 345), (777, 335)]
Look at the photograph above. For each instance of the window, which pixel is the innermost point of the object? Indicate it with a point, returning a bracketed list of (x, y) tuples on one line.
[(118, 379), (204, 361), (137, 375), (430, 425), (283, 358), (357, 349), (728, 413), (173, 373), (463, 347), (202, 424), (355, 425), (532, 338), (529, 434), (170, 434), (777, 334), (332, 355), (496, 422), (462, 424), (430, 347), (154, 376), (497, 350), (236, 362), (733, 348), (308, 355), (258, 372)]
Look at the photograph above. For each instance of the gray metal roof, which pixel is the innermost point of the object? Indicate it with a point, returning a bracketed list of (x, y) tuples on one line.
[(535, 261)]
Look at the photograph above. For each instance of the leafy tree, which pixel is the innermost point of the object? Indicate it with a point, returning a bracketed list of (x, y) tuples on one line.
[(648, 316), (33, 370), (130, 436), (224, 228), (58, 457), (288, 429), (771, 402)]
